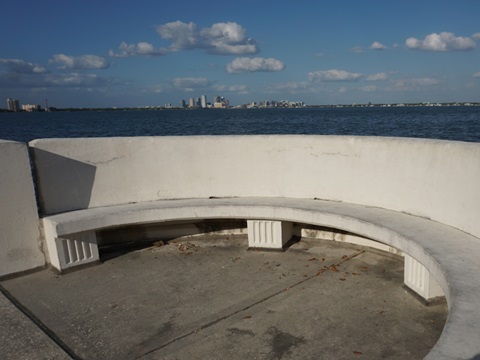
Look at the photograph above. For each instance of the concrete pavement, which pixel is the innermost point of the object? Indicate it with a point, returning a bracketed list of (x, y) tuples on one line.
[(209, 297)]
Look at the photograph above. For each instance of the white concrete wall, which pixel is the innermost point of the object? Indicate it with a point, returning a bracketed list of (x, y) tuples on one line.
[(19, 232), (435, 179)]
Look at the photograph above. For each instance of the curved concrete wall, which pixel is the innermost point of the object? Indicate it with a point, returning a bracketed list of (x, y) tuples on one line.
[(19, 234), (434, 179)]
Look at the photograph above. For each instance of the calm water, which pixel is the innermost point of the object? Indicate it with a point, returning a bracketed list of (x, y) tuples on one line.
[(451, 123)]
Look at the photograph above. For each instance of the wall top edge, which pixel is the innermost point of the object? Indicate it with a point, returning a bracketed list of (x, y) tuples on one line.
[(352, 138), (10, 142)]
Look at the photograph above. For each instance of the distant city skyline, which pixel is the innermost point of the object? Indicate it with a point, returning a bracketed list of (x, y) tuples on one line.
[(115, 54)]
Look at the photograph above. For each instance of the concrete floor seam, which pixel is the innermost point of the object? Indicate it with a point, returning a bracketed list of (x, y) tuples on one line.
[(40, 325)]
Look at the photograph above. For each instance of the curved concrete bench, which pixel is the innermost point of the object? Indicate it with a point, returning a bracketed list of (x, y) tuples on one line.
[(454, 264), (419, 196)]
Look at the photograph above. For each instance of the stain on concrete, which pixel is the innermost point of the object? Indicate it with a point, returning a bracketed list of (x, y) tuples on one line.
[(19, 254), (155, 341), (165, 328), (237, 331), (282, 343)]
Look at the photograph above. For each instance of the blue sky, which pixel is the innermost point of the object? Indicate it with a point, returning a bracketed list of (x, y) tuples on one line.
[(149, 53)]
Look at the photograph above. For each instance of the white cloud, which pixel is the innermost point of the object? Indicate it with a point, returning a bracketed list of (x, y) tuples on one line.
[(73, 79), (368, 88), (377, 46), (84, 62), (414, 84), (377, 77), (183, 36), (227, 38), (190, 84), (139, 49), (477, 74), (220, 38), (334, 75), (445, 41), (357, 49), (156, 89), (293, 87), (51, 80), (476, 36), (244, 64), (239, 89), (22, 67)]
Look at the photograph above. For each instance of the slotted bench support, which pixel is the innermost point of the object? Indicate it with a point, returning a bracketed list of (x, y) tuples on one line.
[(268, 234)]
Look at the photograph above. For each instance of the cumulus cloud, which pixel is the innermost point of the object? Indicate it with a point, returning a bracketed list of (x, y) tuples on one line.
[(22, 67), (73, 79), (84, 62), (445, 41), (140, 49), (182, 35), (52, 80), (377, 46), (190, 83), (368, 88), (220, 38), (292, 87), (476, 36), (377, 77), (414, 84), (240, 89), (334, 75), (477, 74), (244, 64)]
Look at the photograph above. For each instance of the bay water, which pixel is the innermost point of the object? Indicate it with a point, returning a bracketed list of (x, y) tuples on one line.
[(460, 123)]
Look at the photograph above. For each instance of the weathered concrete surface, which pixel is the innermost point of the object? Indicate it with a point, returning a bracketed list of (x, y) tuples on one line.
[(211, 298), (19, 234), (21, 339)]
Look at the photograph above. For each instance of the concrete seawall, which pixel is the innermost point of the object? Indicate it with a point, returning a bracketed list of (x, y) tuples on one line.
[(19, 227), (433, 179)]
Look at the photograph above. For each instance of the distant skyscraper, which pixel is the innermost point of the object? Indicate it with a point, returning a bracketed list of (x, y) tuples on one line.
[(191, 102), (13, 105), (31, 108), (183, 104), (203, 101)]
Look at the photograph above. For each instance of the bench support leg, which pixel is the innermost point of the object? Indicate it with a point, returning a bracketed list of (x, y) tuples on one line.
[(72, 250), (419, 279), (266, 234)]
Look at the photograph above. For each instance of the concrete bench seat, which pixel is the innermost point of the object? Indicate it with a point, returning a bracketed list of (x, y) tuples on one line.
[(451, 256)]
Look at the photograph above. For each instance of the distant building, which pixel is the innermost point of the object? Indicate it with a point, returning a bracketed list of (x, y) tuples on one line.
[(202, 102), (31, 108), (183, 104), (13, 105), (220, 102)]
